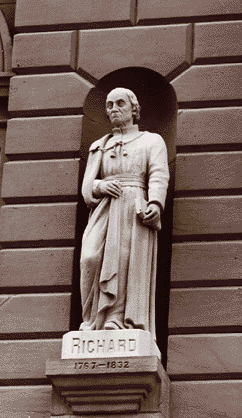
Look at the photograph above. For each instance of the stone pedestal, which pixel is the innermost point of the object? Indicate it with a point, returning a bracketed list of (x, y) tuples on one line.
[(103, 373), (95, 344)]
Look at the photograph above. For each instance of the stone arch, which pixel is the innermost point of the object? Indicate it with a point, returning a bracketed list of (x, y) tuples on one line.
[(155, 94), (6, 46), (158, 114)]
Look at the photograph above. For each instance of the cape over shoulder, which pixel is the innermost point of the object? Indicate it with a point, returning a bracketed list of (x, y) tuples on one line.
[(99, 143)]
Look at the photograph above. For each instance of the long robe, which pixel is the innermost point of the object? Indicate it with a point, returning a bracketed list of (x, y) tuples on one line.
[(119, 253)]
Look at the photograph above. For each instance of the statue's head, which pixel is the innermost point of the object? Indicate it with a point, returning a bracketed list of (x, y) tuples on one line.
[(122, 107)]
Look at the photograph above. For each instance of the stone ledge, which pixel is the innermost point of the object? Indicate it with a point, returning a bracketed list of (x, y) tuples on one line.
[(113, 385)]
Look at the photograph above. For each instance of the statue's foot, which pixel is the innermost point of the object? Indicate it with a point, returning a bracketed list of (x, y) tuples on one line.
[(111, 325)]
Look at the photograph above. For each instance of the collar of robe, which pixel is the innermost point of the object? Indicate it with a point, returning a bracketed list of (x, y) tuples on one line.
[(125, 130), (120, 137)]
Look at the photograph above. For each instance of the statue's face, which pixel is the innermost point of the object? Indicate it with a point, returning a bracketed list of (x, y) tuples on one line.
[(119, 109)]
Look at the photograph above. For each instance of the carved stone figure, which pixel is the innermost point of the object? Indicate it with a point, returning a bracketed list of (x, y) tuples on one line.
[(125, 186)]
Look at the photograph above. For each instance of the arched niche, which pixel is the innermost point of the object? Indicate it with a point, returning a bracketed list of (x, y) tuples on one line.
[(156, 97), (158, 114)]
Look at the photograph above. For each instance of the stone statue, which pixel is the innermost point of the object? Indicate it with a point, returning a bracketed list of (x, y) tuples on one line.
[(125, 186)]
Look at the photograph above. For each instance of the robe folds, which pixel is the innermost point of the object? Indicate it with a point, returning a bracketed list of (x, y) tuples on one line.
[(119, 253)]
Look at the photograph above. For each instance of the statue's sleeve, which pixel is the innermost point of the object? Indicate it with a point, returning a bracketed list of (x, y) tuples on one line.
[(90, 176), (158, 170)]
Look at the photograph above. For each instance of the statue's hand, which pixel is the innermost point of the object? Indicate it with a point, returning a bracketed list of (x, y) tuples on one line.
[(111, 188), (152, 215)]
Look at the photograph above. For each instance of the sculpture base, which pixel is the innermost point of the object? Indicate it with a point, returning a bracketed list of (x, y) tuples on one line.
[(120, 343), (103, 386)]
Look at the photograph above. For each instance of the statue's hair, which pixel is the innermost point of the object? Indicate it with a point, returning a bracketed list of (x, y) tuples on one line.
[(133, 100)]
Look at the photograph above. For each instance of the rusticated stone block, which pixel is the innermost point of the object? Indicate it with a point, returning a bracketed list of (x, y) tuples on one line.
[(48, 92), (207, 215), (209, 126), (63, 12), (35, 313), (210, 82), (206, 399), (217, 170), (44, 51), (20, 401), (205, 307), (36, 267), (160, 9), (40, 178), (38, 222), (47, 134), (204, 354), (203, 261), (160, 48), (217, 39), (26, 359)]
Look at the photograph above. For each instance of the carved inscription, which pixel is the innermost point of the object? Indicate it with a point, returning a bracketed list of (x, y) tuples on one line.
[(96, 365), (103, 346)]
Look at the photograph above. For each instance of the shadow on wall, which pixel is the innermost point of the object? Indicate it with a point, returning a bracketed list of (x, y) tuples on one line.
[(155, 95), (158, 114)]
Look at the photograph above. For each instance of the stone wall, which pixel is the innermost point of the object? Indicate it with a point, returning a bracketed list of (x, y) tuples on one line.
[(62, 49)]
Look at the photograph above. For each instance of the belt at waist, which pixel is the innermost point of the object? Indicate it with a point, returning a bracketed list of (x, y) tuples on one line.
[(128, 180)]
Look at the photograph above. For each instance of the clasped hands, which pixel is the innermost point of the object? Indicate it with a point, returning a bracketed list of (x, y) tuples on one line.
[(113, 188)]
